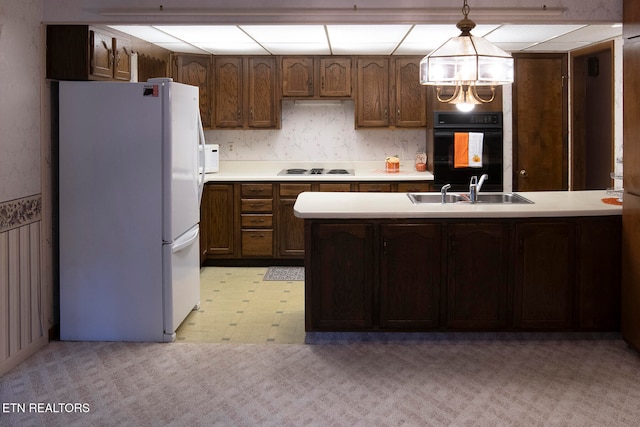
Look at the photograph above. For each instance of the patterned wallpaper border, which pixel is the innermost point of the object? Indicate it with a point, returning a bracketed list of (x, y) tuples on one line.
[(18, 212)]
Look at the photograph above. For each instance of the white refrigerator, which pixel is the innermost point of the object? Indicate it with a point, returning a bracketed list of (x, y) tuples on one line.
[(129, 209)]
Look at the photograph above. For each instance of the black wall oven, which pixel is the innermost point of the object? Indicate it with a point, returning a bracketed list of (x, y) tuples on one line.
[(445, 125)]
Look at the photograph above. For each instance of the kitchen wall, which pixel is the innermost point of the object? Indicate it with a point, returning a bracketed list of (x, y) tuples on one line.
[(318, 131), (25, 227)]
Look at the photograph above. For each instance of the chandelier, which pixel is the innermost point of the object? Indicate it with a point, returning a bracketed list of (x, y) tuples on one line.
[(464, 63)]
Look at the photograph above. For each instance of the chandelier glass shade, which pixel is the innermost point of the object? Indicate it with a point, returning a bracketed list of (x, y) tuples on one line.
[(466, 62)]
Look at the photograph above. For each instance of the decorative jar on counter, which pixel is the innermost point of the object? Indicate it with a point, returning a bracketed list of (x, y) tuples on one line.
[(392, 165)]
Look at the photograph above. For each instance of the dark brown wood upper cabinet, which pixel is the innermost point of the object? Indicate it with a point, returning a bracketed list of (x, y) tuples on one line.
[(83, 52), (316, 77)]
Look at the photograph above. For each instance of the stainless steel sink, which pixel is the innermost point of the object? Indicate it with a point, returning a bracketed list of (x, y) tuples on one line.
[(500, 198), (436, 198)]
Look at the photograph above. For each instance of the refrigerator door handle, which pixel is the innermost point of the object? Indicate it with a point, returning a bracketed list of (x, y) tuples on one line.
[(186, 240), (201, 156)]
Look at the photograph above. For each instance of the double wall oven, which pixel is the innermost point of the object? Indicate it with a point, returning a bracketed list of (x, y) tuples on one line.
[(485, 127)]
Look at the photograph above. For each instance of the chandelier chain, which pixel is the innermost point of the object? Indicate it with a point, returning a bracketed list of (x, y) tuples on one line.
[(465, 9)]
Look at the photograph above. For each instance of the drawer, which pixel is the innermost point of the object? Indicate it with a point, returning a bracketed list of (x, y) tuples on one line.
[(375, 187), (257, 243), (292, 190), (257, 205), (256, 190), (413, 187), (337, 187), (256, 221)]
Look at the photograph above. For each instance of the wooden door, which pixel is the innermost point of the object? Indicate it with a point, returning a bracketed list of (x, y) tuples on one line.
[(297, 76), (372, 101), (545, 275), (410, 276), (195, 70), (540, 149), (262, 91), (335, 77), (339, 289), (228, 92), (478, 276), (410, 96)]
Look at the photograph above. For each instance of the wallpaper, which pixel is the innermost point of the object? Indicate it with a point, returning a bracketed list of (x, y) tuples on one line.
[(20, 98)]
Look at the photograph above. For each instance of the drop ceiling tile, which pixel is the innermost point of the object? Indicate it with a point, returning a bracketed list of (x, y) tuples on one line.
[(267, 34), (181, 47), (591, 33), (222, 48), (555, 47), (529, 33), (206, 33)]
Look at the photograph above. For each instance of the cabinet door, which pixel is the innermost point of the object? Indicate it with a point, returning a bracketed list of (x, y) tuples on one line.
[(101, 55), (339, 289), (217, 220), (410, 276), (335, 77), (544, 275), (228, 92), (478, 276), (410, 95), (599, 277), (372, 98), (290, 228), (297, 76), (195, 70), (122, 66), (263, 104), (631, 128)]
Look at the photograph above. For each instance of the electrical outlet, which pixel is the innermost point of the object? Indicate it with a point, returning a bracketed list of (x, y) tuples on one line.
[(230, 146)]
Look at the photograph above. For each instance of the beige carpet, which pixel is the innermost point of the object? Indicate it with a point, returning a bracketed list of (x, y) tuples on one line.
[(450, 380)]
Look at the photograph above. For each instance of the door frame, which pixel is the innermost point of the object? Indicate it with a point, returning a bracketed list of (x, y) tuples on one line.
[(578, 145)]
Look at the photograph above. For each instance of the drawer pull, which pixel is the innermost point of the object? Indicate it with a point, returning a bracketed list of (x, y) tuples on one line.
[(259, 236), (254, 220), (257, 205)]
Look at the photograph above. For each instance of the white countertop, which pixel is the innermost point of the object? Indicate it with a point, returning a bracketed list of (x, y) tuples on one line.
[(268, 171), (398, 205)]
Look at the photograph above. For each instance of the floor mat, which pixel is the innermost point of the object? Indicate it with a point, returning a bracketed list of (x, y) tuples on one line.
[(286, 274)]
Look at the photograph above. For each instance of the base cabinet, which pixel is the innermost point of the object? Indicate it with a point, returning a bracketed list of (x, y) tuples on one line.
[(338, 284), (545, 275), (410, 276), (478, 279), (463, 275)]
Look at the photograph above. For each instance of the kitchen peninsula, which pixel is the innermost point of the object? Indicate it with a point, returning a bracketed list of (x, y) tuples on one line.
[(378, 262)]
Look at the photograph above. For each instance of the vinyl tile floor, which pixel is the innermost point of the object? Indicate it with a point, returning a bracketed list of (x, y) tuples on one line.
[(237, 305)]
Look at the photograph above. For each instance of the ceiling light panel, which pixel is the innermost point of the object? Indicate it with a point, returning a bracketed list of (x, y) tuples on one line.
[(590, 34), (528, 33), (216, 39), (369, 39), (146, 33), (290, 39), (422, 39)]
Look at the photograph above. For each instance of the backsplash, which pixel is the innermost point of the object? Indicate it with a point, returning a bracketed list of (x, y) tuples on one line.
[(318, 131)]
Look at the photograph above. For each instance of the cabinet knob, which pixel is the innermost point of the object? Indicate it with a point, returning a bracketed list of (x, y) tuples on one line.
[(523, 173)]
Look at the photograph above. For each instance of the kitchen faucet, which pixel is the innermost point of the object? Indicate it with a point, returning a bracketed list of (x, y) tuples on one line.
[(443, 192), (475, 186)]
